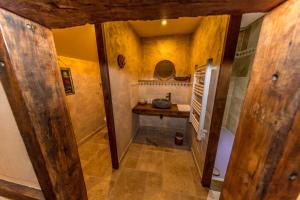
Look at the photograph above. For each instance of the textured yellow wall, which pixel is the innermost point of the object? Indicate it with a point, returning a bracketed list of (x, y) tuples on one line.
[(86, 105), (77, 49), (121, 39), (207, 42), (175, 48)]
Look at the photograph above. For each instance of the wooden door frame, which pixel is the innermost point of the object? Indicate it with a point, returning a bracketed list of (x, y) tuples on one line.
[(103, 62), (221, 97), (21, 192), (219, 102)]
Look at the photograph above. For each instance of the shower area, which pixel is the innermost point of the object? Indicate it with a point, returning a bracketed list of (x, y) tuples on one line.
[(245, 52)]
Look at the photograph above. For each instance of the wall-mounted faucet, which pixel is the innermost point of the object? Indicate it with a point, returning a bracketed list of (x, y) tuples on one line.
[(169, 96)]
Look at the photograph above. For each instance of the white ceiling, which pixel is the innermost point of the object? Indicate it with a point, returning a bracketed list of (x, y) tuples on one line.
[(183, 25), (249, 18)]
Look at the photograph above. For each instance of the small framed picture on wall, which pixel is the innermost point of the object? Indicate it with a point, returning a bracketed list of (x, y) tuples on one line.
[(67, 80)]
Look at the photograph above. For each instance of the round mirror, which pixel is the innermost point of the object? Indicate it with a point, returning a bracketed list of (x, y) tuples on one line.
[(164, 70)]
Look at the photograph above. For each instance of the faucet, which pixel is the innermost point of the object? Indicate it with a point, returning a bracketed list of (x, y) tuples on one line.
[(169, 96)]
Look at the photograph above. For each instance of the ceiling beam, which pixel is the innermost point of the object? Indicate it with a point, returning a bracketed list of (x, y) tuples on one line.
[(67, 13)]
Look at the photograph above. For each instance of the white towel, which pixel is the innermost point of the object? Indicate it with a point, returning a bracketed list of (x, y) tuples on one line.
[(184, 107)]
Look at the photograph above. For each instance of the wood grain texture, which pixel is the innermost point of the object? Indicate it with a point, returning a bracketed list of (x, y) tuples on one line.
[(66, 13), (33, 85), (220, 98), (107, 95), (267, 144), (148, 109), (20, 192)]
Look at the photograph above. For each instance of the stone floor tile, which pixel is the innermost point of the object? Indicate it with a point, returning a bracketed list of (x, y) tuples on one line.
[(147, 172)]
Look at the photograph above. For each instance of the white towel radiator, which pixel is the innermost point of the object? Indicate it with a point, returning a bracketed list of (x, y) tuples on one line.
[(202, 86)]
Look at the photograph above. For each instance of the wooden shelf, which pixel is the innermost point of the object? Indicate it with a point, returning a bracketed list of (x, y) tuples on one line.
[(147, 109)]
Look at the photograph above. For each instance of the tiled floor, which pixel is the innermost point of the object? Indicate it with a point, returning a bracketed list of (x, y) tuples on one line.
[(146, 173)]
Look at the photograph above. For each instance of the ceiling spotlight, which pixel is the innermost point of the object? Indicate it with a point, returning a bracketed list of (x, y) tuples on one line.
[(164, 22)]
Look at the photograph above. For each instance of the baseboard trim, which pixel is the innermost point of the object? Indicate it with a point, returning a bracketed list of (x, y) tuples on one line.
[(196, 163), (125, 151), (21, 192), (127, 147), (83, 140)]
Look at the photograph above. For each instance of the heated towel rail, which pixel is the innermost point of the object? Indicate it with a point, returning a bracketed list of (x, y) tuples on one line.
[(202, 82)]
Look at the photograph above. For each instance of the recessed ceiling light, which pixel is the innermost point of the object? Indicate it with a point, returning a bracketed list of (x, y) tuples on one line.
[(164, 22)]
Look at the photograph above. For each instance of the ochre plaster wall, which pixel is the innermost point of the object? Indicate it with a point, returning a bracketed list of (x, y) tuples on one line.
[(15, 165), (175, 48), (207, 42), (121, 39), (86, 106), (77, 49)]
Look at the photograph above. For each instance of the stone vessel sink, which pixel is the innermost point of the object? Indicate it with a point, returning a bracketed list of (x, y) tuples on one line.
[(161, 103)]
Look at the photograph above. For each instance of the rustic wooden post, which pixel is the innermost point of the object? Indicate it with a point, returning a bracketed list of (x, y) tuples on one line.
[(265, 161), (32, 82), (221, 97), (103, 62)]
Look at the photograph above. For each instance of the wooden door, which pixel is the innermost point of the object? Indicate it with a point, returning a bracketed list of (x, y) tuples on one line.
[(265, 161)]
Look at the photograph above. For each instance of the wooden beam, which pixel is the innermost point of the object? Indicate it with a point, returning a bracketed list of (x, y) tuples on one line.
[(221, 97), (148, 109), (20, 192), (100, 37), (265, 160), (67, 13), (32, 82)]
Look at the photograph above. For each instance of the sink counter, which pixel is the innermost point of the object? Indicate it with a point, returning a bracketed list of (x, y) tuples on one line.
[(147, 109)]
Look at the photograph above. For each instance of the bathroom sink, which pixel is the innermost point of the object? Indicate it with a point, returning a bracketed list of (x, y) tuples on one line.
[(161, 103)]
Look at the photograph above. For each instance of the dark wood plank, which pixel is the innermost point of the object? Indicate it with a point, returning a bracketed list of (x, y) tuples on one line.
[(20, 192), (32, 82), (220, 98), (285, 182), (100, 37), (266, 150), (66, 13), (148, 109)]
